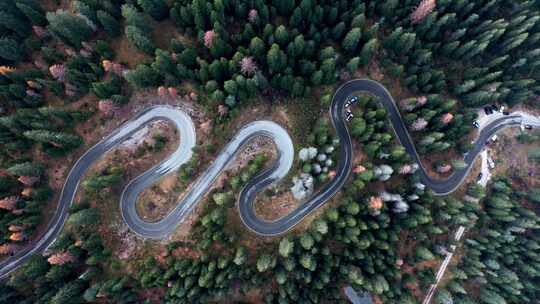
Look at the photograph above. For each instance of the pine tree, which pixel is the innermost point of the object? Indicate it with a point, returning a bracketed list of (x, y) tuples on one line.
[(308, 262), (84, 217), (164, 64), (139, 39), (307, 241), (134, 18), (26, 169), (33, 12), (200, 13), (422, 253), (85, 10), (351, 40), (143, 76), (276, 59), (257, 47), (109, 23), (284, 7), (156, 8), (108, 88), (320, 226), (11, 50), (69, 28), (240, 256), (57, 139), (223, 198), (69, 293), (353, 64), (265, 262), (286, 247), (14, 22), (368, 50), (281, 35)]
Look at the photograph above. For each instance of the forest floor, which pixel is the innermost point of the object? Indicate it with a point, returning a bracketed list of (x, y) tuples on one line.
[(511, 160), (399, 92)]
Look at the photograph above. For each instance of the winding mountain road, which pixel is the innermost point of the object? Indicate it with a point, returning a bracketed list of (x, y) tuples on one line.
[(164, 227)]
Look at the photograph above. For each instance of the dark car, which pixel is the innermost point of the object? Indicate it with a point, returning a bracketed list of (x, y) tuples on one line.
[(479, 177), (495, 108), (488, 110), (506, 113), (528, 127)]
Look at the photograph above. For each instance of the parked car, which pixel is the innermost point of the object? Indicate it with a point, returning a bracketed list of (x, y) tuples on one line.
[(495, 108), (353, 99), (476, 124), (488, 110), (506, 113), (349, 116), (528, 127), (491, 163), (479, 177)]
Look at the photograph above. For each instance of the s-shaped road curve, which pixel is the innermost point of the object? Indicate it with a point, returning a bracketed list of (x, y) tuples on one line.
[(164, 227)]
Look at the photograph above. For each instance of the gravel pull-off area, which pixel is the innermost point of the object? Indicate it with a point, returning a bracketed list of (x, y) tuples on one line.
[(486, 174)]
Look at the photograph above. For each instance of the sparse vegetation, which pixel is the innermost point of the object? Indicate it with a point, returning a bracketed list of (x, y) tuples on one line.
[(69, 68)]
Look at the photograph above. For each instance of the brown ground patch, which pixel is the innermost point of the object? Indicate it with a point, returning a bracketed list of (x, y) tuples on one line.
[(159, 200), (512, 158), (113, 229), (272, 207), (398, 91), (165, 31), (126, 53), (116, 234)]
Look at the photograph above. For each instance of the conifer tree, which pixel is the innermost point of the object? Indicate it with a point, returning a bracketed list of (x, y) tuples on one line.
[(109, 23), (11, 50), (156, 8), (69, 28)]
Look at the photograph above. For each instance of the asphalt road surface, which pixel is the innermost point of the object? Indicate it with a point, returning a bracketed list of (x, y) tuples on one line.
[(163, 228)]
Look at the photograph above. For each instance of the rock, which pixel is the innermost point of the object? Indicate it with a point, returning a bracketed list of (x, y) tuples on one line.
[(359, 169), (444, 168), (401, 207), (383, 155), (413, 197), (331, 174), (383, 172), (322, 157), (420, 186), (303, 154), (302, 186)]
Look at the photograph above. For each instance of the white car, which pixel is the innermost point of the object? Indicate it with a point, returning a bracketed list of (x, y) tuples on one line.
[(491, 163)]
